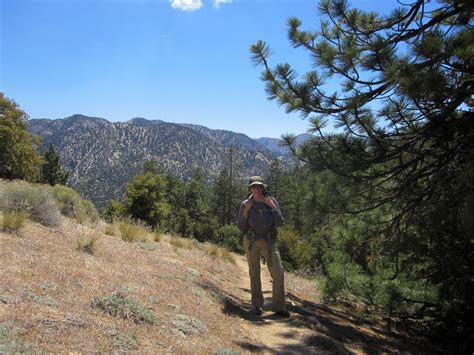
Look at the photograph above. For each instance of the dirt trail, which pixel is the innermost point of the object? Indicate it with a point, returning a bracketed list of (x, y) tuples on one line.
[(271, 334), (313, 327)]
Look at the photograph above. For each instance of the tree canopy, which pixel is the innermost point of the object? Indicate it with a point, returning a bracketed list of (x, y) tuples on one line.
[(18, 156), (403, 144), (51, 172)]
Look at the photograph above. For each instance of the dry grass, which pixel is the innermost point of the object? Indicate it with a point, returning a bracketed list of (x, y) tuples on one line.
[(82, 217), (157, 236), (12, 221), (185, 243), (133, 231), (219, 252), (48, 289), (111, 229), (86, 242), (54, 299)]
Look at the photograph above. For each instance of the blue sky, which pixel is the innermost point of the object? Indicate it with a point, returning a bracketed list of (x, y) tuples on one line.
[(184, 61)]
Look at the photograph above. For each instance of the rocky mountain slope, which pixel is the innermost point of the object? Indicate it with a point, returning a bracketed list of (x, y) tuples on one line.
[(228, 138), (274, 144), (103, 156)]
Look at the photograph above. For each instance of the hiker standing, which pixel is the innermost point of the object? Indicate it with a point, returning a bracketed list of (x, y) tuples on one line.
[(258, 217)]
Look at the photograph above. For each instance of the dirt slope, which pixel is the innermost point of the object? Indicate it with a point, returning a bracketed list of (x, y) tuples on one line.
[(201, 303)]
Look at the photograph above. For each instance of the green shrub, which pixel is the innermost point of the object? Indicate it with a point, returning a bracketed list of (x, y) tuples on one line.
[(34, 199), (231, 237), (188, 326), (48, 301), (13, 340), (119, 306), (288, 240), (12, 221), (71, 204), (124, 341), (145, 199), (114, 210)]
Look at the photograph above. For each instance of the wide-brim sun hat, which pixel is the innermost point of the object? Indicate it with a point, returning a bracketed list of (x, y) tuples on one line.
[(255, 181)]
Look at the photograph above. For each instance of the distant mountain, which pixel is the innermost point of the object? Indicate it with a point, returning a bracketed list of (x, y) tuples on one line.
[(274, 144), (228, 138), (103, 156)]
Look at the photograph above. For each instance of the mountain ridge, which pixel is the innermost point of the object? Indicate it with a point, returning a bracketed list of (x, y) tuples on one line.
[(102, 156)]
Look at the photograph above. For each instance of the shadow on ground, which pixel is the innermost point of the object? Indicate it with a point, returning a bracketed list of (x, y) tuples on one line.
[(332, 331)]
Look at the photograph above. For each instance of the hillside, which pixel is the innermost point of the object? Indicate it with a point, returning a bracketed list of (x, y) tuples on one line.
[(103, 156), (274, 144), (52, 299), (228, 138)]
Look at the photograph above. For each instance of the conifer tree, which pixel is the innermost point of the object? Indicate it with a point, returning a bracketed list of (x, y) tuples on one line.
[(18, 156), (274, 178), (200, 223), (404, 145), (221, 197), (152, 166), (227, 189), (51, 172), (145, 199)]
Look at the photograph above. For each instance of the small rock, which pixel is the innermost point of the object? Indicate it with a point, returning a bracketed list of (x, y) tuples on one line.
[(8, 299)]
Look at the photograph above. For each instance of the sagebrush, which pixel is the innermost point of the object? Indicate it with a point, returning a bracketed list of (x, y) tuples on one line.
[(71, 204), (34, 199)]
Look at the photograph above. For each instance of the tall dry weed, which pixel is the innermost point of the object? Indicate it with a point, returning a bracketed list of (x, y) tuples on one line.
[(133, 230), (180, 242), (86, 242), (219, 252), (111, 229), (12, 221)]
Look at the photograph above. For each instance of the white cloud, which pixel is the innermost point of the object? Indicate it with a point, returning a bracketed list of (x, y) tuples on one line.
[(187, 5), (218, 3)]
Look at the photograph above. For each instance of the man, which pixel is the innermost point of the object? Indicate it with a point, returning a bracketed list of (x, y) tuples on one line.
[(258, 217)]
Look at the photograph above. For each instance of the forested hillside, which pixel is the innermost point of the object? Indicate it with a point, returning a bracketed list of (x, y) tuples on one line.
[(103, 156)]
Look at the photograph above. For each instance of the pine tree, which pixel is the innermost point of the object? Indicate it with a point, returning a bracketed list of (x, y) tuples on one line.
[(152, 166), (405, 141), (145, 199), (18, 156), (227, 189), (221, 197), (201, 223), (274, 177), (51, 172)]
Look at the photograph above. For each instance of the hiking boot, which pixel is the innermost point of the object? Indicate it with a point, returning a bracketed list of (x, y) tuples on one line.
[(258, 311), (283, 313)]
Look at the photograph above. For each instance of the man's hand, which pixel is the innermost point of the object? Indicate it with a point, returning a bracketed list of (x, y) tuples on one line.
[(269, 202), (248, 206)]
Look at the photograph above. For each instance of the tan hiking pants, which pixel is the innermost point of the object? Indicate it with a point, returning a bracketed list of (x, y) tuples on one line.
[(270, 252)]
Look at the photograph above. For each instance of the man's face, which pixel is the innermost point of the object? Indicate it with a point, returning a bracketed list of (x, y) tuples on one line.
[(256, 189)]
